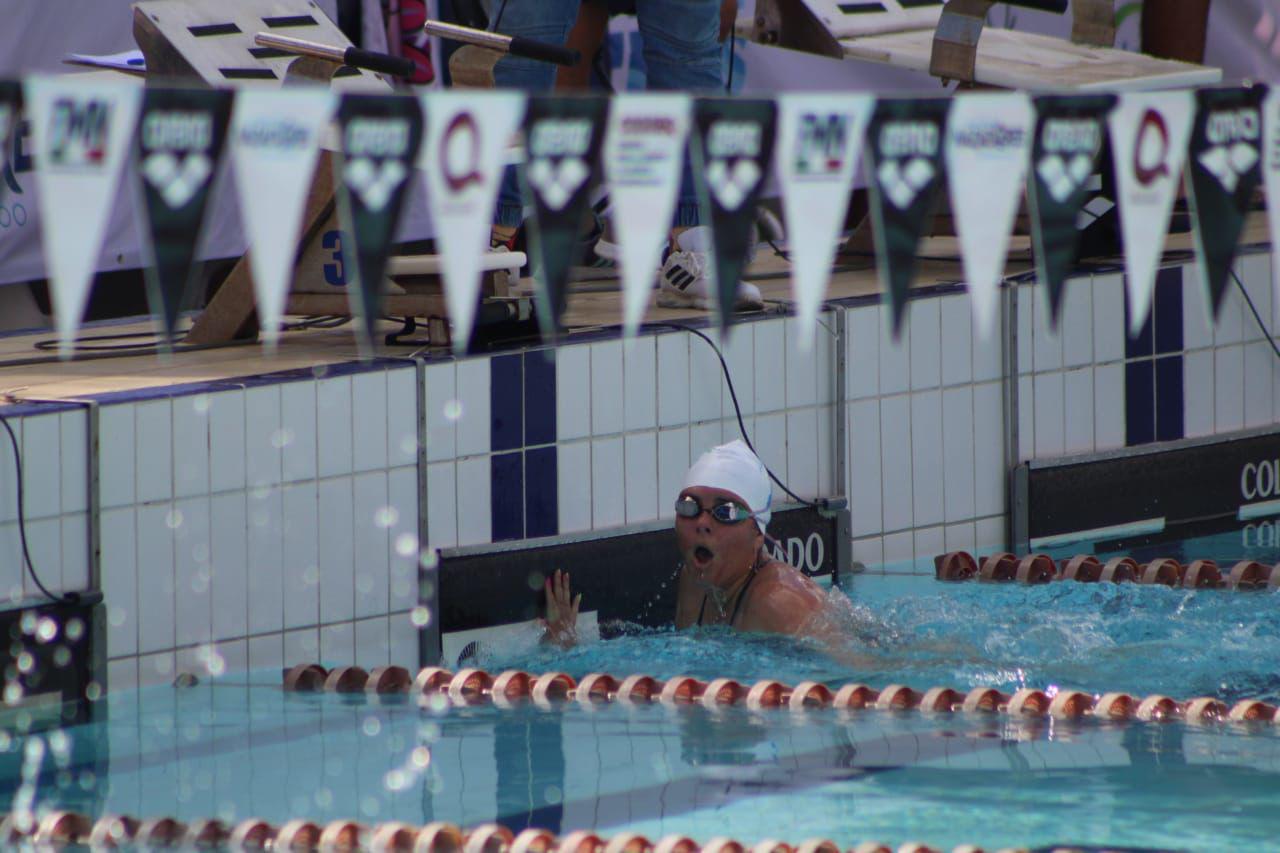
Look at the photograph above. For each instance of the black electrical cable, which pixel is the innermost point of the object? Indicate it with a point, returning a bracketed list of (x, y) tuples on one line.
[(1256, 316), (69, 598), (736, 408), (733, 41)]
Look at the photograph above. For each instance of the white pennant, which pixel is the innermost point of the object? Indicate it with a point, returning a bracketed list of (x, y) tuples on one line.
[(643, 156), (275, 143), (819, 144), (463, 154), (81, 133), (988, 148), (1149, 136), (1271, 171)]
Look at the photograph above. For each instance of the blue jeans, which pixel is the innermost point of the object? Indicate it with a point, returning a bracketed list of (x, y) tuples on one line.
[(681, 52)]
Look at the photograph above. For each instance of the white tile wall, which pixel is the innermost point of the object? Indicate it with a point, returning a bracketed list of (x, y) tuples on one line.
[(44, 544), (267, 652), (115, 458), (1197, 390), (475, 524), (925, 318), (1259, 393), (957, 339), (372, 642), (369, 421), (402, 496), (298, 430), (771, 444), (1077, 395), (191, 553), (1047, 343), (1228, 388), (1026, 329), (11, 567), (673, 462), (1075, 324), (606, 388), (300, 561), (865, 484), (899, 553), (988, 352), (265, 575), (608, 507), (957, 453), (473, 411), (152, 449), (640, 374), (1050, 440), (119, 580), (573, 489), (988, 449), (442, 505), (443, 409), (960, 537), (1197, 331), (673, 379), (895, 462), (155, 602), (40, 442), (403, 639), (802, 452), (802, 371), (371, 518), (990, 533), (869, 552), (1108, 318), (929, 542), (926, 458), (74, 447), (228, 565), (302, 645), (333, 426), (827, 475), (862, 373), (75, 551), (263, 445), (9, 472), (641, 483), (895, 356), (1108, 407), (1229, 328), (770, 366), (338, 644), (226, 441)]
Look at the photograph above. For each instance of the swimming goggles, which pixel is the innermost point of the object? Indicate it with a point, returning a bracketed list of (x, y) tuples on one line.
[(724, 511)]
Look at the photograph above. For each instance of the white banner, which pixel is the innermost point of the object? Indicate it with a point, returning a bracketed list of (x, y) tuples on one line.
[(81, 133), (643, 156), (1271, 172), (819, 144), (275, 143), (463, 156), (988, 148), (1149, 136)]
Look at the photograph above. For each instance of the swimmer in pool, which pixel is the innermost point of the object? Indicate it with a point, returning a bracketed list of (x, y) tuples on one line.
[(727, 574)]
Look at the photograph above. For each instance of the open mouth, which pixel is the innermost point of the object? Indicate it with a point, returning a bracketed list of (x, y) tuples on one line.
[(702, 555)]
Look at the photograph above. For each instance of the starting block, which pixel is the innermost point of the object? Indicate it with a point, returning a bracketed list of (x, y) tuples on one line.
[(950, 42), (215, 43)]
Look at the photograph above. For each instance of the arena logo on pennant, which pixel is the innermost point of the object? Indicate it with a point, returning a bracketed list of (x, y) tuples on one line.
[(176, 153), (78, 133), (1068, 149), (821, 146), (907, 153), (558, 166), (1234, 137), (733, 152), (376, 151)]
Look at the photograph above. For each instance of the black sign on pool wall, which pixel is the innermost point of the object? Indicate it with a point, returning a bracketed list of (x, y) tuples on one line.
[(1070, 136), (905, 166), (629, 577), (380, 139), (10, 107), (179, 144), (732, 148), (562, 153), (1195, 480), (1224, 167)]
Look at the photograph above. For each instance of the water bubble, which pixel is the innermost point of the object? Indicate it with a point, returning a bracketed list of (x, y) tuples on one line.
[(386, 517), (429, 558), (324, 798), (87, 780), (46, 630), (334, 767), (281, 438), (59, 742), (364, 584), (395, 780), (406, 544), (552, 795), (173, 519), (6, 740), (420, 616), (74, 629), (369, 807), (453, 410), (420, 757), (116, 616), (429, 731), (311, 575), (29, 622), (201, 403), (401, 588), (200, 553), (26, 662), (371, 726), (409, 445), (200, 583), (93, 691), (536, 580), (12, 693), (428, 588), (61, 656)]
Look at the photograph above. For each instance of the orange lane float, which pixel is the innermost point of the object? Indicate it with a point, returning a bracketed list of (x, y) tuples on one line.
[(297, 835), (159, 833), (772, 845), (1163, 571), (206, 834), (438, 837), (1204, 709), (1249, 574), (676, 844), (941, 700), (767, 694), (111, 832), (534, 841), (488, 838), (1070, 705), (252, 834), (1082, 568), (638, 688), (984, 700), (681, 690), (393, 838), (305, 677), (431, 680), (955, 566), (1028, 702), (628, 842), (1202, 574), (818, 845), (998, 567), (1115, 706), (854, 697), (897, 697), (1035, 569), (61, 829), (1119, 570), (341, 836), (1086, 568), (552, 687), (595, 688), (721, 691), (1157, 708), (582, 841), (722, 845), (810, 694), (346, 679), (1251, 711), (388, 680)]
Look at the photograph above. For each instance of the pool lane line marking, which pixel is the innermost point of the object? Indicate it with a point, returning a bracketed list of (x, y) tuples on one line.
[(1266, 509), (1114, 531)]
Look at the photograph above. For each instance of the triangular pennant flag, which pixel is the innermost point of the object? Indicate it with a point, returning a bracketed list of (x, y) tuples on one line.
[(562, 139), (463, 157), (1224, 167), (10, 107), (819, 143), (81, 133), (1149, 132), (1069, 138), (643, 155), (179, 145), (987, 148), (380, 138), (732, 150), (905, 171), (1271, 171), (275, 143)]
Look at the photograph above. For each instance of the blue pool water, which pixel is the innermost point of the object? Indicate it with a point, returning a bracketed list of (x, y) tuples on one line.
[(237, 746)]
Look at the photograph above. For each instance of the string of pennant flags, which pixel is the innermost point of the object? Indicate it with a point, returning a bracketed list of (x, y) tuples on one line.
[(986, 148)]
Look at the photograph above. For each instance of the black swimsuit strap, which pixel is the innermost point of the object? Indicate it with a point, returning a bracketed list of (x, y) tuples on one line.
[(737, 605)]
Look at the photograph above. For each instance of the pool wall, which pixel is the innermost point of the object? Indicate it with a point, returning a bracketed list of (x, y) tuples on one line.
[(276, 518)]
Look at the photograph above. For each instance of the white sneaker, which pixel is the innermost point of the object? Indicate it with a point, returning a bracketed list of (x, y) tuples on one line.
[(683, 282)]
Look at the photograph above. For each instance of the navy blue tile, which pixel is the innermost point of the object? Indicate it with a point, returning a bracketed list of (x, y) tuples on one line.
[(506, 402), (1169, 408), (1143, 343), (1168, 310), (1139, 403), (541, 496), (539, 397), (506, 496)]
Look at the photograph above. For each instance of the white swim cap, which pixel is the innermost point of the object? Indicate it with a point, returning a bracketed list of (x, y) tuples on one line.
[(734, 468)]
